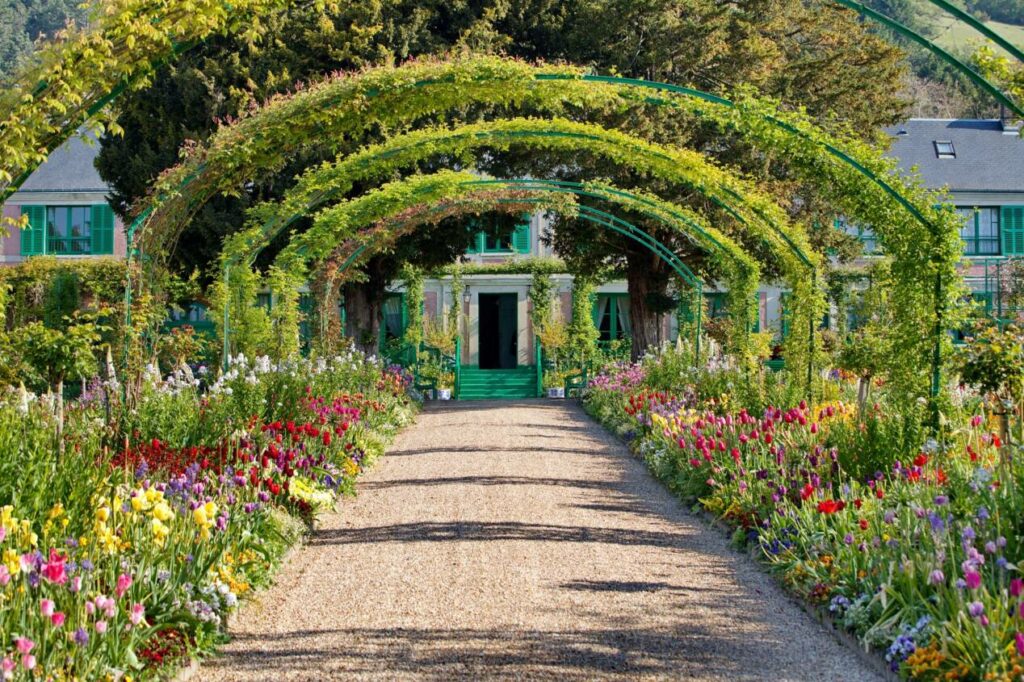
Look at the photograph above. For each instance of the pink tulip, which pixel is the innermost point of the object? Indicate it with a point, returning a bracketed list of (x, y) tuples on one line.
[(7, 668), (5, 575), (46, 607), (973, 579), (76, 584), (138, 614), (58, 619), (124, 581), (3, 533), (24, 645), (53, 570), (101, 626), (90, 608), (28, 661)]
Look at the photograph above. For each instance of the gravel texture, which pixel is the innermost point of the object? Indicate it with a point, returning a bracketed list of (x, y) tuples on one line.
[(519, 540)]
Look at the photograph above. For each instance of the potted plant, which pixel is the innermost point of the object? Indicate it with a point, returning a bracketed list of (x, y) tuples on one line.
[(554, 383), (445, 381)]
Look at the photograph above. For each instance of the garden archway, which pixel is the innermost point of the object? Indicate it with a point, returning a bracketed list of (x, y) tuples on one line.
[(923, 240)]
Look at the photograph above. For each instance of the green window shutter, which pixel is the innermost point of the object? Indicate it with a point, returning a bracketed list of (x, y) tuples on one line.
[(33, 237), (1012, 226), (521, 237), (102, 230)]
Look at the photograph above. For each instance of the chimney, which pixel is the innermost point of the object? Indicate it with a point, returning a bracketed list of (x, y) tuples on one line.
[(1010, 126)]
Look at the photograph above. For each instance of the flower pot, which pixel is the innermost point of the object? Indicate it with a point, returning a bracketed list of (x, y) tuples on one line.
[(444, 394), (556, 392)]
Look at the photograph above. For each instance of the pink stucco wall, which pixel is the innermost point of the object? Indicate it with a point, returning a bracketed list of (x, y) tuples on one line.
[(10, 245), (12, 241)]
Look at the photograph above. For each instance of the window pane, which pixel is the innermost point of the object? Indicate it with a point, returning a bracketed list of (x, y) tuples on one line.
[(988, 223), (967, 214)]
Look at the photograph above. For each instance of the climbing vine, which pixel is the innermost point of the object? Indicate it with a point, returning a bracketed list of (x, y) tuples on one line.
[(343, 228), (71, 79), (869, 189)]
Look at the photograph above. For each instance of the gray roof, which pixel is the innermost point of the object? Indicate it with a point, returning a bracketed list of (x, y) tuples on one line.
[(70, 168), (987, 158)]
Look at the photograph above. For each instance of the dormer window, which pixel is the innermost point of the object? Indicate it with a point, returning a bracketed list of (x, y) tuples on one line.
[(945, 149)]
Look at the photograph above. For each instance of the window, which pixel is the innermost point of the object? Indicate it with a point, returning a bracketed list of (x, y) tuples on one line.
[(611, 316), (980, 231), (500, 244), (68, 230), (716, 304), (865, 234), (944, 149), (516, 240)]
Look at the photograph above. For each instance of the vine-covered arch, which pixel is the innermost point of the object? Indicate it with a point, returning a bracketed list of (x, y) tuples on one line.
[(341, 264), (755, 213), (353, 224), (863, 185), (74, 79)]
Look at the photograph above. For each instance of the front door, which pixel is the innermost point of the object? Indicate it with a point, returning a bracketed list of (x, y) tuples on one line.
[(499, 331)]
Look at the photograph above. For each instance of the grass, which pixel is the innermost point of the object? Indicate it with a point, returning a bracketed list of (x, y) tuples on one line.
[(957, 36)]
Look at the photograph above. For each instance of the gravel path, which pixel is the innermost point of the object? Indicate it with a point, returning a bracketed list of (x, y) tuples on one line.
[(519, 540)]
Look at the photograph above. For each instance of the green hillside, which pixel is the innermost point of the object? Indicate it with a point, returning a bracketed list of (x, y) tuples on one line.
[(955, 35)]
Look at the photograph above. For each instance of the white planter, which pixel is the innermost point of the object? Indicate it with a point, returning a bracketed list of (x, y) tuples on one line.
[(444, 394), (556, 392)]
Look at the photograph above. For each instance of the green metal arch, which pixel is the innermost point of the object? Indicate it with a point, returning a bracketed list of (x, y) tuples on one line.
[(612, 222), (270, 231), (102, 100)]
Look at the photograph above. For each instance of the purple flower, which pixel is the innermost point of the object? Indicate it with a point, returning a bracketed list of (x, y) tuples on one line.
[(976, 609), (937, 577), (848, 539), (81, 637), (941, 500)]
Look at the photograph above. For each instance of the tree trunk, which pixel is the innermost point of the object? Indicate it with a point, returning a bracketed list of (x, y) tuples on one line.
[(363, 316), (647, 280)]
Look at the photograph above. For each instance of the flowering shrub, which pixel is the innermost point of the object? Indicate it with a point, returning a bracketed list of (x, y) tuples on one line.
[(119, 562), (916, 552)]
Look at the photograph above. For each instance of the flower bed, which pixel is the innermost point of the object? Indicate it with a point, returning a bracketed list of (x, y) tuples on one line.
[(914, 551), (123, 549)]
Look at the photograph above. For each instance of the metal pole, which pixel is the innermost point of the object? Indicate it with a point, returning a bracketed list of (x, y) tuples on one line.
[(810, 343), (937, 352), (227, 308), (700, 305)]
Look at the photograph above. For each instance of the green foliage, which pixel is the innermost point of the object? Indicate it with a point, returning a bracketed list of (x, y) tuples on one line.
[(284, 315), (182, 346), (52, 356), (62, 300), (249, 330), (413, 278), (993, 362), (61, 87), (581, 345)]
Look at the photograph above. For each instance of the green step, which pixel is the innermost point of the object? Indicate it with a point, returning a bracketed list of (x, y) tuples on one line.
[(497, 384)]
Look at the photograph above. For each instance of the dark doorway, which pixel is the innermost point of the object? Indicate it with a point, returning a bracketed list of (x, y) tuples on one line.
[(499, 331)]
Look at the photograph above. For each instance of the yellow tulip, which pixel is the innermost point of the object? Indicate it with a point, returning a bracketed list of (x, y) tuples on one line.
[(162, 512), (12, 562)]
